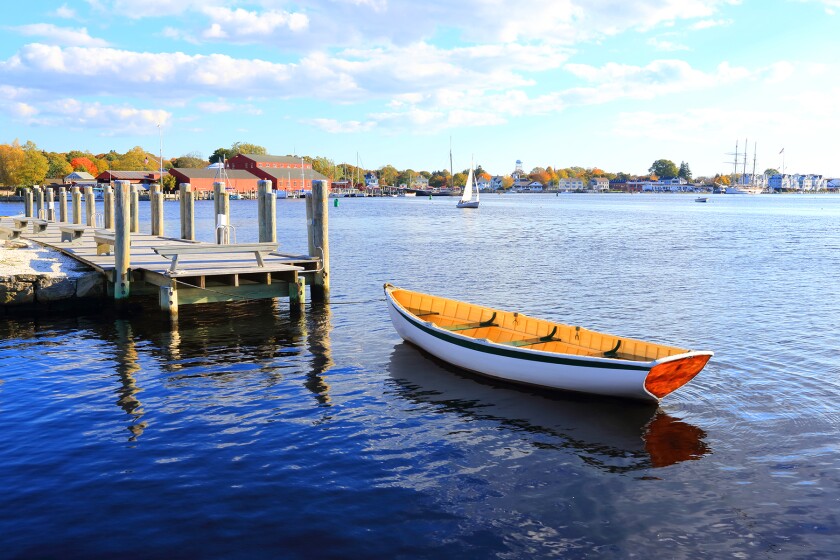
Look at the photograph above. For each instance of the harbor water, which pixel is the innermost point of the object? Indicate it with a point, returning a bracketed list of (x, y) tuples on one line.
[(241, 431)]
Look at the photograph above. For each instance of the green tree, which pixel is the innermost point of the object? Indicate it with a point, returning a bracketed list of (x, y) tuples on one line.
[(388, 175), (35, 165), (685, 171), (245, 148), (192, 161), (770, 172), (169, 182), (222, 154), (664, 168)]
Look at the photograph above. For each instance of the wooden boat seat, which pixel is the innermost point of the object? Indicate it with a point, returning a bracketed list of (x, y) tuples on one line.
[(421, 312), (469, 326)]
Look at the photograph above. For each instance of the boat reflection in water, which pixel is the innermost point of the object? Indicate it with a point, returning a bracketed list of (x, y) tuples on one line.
[(617, 436)]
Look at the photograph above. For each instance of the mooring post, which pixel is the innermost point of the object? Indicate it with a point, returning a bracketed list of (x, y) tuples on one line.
[(90, 207), (310, 239), (50, 205), (221, 204), (156, 199), (267, 212), (39, 202), (27, 202), (297, 295), (108, 211), (77, 204), (134, 208), (320, 289), (187, 212), (62, 204), (122, 239)]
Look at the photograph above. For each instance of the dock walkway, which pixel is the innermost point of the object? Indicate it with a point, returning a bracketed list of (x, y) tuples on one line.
[(200, 278)]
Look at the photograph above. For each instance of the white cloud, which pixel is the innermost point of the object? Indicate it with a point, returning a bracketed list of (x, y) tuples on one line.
[(65, 36), (243, 26), (72, 113), (64, 12)]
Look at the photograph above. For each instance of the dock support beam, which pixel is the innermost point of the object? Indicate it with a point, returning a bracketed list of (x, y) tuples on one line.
[(134, 204), (108, 213), (266, 212), (320, 289), (187, 212), (221, 207), (156, 200), (122, 240), (62, 204), (76, 194), (90, 207)]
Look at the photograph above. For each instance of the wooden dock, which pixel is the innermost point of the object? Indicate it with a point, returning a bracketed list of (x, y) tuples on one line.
[(181, 271)]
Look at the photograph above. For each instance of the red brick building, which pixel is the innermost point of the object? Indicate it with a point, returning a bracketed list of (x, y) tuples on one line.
[(203, 179), (284, 172)]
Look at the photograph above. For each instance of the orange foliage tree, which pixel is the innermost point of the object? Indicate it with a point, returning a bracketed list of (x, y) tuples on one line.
[(84, 164)]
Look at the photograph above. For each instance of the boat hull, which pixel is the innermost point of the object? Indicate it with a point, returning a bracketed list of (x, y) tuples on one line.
[(552, 370), (467, 204)]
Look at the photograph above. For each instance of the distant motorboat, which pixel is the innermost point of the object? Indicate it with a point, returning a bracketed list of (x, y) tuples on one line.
[(701, 199)]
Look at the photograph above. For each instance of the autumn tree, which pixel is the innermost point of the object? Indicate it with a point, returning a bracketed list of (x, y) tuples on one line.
[(22, 165), (58, 166), (664, 168), (388, 175), (84, 164)]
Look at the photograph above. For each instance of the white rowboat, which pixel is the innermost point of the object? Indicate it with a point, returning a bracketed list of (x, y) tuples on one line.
[(521, 349)]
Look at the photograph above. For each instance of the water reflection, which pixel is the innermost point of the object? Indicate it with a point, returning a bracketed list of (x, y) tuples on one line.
[(318, 328), (127, 366), (616, 436)]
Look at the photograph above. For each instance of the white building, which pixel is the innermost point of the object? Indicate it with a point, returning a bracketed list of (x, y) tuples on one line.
[(571, 184)]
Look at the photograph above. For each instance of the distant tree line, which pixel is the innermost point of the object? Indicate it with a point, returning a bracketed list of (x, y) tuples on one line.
[(25, 165)]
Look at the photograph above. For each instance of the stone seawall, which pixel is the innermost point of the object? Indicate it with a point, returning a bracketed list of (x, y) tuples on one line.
[(28, 289)]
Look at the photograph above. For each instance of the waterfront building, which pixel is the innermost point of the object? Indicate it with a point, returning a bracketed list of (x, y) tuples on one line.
[(141, 178), (371, 180), (202, 179), (420, 182), (599, 184), (571, 184), (497, 182), (252, 162), (284, 172)]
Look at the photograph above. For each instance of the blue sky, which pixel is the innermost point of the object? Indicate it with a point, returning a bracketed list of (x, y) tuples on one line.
[(600, 83)]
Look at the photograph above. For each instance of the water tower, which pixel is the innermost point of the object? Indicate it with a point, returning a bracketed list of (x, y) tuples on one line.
[(517, 173)]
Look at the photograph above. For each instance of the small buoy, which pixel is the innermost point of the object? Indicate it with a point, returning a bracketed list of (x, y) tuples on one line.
[(335, 203), (430, 197)]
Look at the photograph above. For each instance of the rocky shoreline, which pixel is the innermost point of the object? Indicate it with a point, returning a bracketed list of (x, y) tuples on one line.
[(33, 275)]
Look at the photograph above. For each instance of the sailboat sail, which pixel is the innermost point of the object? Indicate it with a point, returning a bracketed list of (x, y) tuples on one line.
[(466, 196)]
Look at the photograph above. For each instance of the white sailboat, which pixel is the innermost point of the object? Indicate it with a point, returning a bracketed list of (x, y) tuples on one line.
[(467, 200)]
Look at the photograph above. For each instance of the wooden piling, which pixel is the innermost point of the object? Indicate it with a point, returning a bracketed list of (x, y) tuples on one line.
[(62, 204), (50, 205), (221, 206), (122, 239), (76, 194), (90, 207), (134, 212), (39, 211), (156, 200), (320, 289), (297, 295), (108, 212), (267, 212), (28, 205), (187, 212)]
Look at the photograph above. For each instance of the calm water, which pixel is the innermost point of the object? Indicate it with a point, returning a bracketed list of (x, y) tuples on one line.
[(244, 432)]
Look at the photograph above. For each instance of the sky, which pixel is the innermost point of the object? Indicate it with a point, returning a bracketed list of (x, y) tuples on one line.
[(613, 84)]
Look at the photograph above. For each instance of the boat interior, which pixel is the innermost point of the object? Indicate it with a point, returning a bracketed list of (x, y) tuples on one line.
[(517, 330)]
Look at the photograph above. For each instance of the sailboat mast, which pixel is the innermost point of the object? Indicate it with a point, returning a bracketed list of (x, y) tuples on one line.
[(451, 175)]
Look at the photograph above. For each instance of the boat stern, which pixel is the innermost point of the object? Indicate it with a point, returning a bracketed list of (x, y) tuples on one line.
[(671, 374)]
